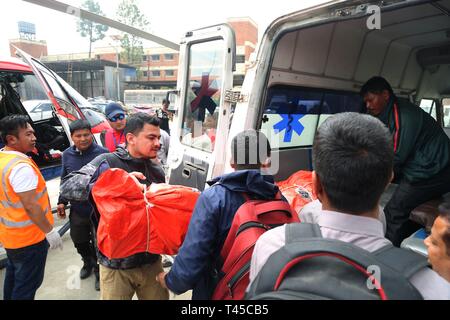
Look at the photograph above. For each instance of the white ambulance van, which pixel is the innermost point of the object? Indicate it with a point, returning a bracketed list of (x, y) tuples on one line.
[(310, 64)]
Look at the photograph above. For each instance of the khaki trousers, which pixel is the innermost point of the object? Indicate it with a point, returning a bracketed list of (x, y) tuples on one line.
[(123, 284)]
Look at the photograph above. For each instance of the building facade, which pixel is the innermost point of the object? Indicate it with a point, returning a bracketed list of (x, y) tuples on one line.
[(158, 68), (36, 49)]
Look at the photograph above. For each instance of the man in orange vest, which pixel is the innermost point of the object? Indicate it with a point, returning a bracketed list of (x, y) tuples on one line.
[(117, 120), (26, 221)]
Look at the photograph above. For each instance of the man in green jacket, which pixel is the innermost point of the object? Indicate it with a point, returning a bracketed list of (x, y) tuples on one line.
[(422, 155)]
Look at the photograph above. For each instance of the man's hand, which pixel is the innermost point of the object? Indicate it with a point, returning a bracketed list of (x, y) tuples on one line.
[(138, 175), (61, 211), (161, 278), (54, 239)]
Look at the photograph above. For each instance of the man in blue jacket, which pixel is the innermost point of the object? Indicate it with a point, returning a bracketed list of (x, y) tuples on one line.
[(74, 158), (121, 278), (194, 267)]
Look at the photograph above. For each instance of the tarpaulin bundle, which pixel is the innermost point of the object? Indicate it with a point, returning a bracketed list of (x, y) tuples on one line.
[(131, 221), (297, 189)]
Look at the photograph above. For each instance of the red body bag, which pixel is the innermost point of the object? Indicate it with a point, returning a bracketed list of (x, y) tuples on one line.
[(297, 189), (129, 224)]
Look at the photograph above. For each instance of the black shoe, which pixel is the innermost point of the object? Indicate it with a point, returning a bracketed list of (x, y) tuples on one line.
[(86, 270)]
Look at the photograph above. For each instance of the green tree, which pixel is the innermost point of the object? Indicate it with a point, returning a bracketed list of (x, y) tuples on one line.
[(91, 29), (128, 13)]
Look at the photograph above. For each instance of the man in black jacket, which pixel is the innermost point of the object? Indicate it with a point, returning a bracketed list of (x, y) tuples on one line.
[(421, 155), (74, 158), (121, 278)]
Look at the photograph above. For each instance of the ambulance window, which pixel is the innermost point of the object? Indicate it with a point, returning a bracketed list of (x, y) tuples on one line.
[(340, 102), (446, 105), (201, 108), (429, 107), (292, 115)]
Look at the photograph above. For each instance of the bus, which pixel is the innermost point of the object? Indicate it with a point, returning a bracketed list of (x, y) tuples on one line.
[(145, 100)]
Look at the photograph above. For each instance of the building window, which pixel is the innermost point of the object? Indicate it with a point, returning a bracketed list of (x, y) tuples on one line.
[(145, 74), (170, 73), (144, 58), (168, 56), (240, 58), (155, 57), (155, 73)]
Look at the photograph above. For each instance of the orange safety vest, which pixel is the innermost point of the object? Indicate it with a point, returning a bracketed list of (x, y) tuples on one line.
[(16, 228)]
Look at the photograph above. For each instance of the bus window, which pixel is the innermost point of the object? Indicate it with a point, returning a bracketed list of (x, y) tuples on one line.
[(149, 99)]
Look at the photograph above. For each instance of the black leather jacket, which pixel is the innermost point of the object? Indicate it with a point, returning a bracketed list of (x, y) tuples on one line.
[(78, 185)]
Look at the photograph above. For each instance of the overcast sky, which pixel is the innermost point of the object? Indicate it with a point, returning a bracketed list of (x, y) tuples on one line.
[(168, 19)]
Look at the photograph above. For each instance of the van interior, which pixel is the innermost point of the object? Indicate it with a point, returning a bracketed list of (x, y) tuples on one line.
[(318, 69), (19, 89)]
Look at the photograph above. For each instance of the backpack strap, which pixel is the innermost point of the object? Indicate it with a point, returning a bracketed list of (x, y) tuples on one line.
[(407, 262), (394, 285), (301, 231), (115, 162)]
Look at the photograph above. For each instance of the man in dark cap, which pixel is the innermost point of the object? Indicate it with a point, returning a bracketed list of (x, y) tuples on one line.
[(117, 120)]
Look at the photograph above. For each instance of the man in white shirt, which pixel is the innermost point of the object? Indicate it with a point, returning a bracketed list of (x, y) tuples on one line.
[(26, 221), (353, 161)]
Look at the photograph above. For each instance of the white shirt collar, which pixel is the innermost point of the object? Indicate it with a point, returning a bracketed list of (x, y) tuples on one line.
[(351, 223), (14, 152)]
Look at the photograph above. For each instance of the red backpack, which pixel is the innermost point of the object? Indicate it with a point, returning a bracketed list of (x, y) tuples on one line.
[(251, 220)]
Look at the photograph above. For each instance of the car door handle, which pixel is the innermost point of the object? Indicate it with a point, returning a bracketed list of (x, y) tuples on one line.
[(186, 173)]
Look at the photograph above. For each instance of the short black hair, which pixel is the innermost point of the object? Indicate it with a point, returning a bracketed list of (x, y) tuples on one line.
[(80, 124), (249, 149), (165, 101), (376, 85), (444, 213), (353, 159), (136, 122), (10, 125)]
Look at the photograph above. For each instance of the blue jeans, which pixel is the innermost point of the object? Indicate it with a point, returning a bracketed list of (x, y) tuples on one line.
[(25, 271)]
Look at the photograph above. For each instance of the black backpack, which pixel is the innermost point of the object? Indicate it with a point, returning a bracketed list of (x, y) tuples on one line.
[(311, 267)]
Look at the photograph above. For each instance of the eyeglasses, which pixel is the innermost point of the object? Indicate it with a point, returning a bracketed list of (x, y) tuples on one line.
[(119, 116)]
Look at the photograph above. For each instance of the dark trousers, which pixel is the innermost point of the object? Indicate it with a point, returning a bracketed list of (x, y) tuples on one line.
[(83, 237), (25, 271), (406, 198)]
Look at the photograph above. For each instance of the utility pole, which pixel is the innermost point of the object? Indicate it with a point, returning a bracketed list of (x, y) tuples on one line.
[(117, 38)]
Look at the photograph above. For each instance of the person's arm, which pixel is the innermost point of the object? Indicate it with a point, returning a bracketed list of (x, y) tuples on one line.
[(38, 217), (24, 181), (76, 185), (410, 128), (268, 243), (62, 203), (194, 256), (34, 211)]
